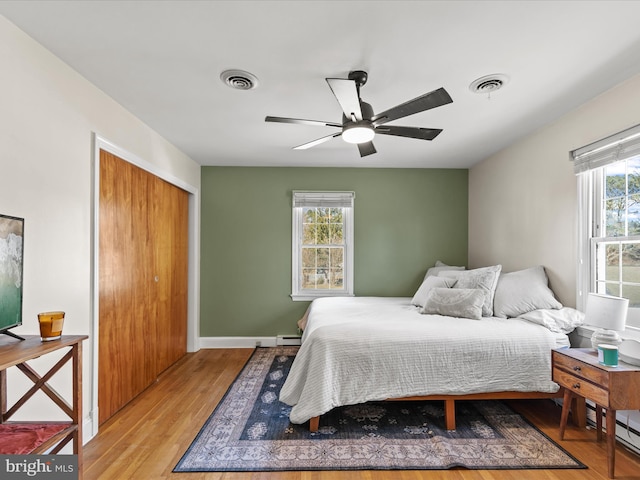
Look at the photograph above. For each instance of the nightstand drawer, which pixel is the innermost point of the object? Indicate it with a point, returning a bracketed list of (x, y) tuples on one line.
[(582, 370), (582, 387)]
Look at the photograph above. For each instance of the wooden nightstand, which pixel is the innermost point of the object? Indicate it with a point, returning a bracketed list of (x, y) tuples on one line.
[(612, 388)]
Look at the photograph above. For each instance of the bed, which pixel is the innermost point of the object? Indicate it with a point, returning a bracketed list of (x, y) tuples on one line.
[(360, 349)]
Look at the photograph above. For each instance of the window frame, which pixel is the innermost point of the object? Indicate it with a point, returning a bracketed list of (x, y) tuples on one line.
[(589, 164), (599, 238), (321, 199)]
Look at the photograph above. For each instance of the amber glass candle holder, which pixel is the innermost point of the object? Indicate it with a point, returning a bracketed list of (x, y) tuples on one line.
[(51, 325)]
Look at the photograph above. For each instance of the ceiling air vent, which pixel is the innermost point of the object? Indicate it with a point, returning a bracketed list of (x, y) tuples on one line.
[(239, 79), (489, 83)]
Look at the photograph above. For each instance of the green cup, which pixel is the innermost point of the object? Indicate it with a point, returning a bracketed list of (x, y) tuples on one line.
[(608, 355)]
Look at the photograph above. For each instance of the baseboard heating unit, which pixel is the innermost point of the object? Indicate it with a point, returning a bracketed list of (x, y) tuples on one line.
[(627, 427), (288, 340)]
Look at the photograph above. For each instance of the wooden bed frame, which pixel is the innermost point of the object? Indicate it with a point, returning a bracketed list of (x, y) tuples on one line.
[(579, 410)]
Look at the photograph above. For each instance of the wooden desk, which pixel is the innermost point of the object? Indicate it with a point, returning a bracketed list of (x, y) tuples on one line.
[(612, 388), (17, 353)]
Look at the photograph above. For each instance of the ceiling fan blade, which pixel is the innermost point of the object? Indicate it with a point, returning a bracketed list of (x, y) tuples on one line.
[(427, 101), (346, 93), (300, 121), (411, 132), (366, 149), (313, 143)]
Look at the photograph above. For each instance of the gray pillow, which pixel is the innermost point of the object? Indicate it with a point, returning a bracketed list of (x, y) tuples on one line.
[(429, 283), (441, 267), (455, 302), (485, 279), (522, 292)]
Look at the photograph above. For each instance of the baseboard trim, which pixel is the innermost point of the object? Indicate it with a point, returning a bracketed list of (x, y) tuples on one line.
[(237, 342), (89, 427)]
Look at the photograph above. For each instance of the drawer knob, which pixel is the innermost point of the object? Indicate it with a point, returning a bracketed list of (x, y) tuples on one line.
[(576, 385), (576, 368)]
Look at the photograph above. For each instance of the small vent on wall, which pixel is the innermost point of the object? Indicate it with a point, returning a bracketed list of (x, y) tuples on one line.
[(239, 79)]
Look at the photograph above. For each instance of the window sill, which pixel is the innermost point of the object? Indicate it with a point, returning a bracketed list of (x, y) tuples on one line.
[(587, 330), (309, 297)]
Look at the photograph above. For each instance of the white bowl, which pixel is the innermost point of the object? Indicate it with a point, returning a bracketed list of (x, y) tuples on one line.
[(629, 352)]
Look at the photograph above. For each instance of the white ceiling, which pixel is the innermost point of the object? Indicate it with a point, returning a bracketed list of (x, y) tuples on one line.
[(162, 61)]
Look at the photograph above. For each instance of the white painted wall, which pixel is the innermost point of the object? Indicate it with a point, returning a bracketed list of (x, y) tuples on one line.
[(523, 200), (48, 117)]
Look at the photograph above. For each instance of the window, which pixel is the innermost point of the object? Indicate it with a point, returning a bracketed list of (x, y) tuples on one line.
[(322, 244), (609, 219)]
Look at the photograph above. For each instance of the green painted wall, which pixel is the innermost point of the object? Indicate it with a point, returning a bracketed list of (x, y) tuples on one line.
[(404, 220)]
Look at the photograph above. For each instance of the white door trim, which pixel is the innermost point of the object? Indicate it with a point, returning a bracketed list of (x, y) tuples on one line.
[(193, 308)]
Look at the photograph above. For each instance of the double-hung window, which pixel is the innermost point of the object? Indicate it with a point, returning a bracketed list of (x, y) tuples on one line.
[(322, 244), (609, 219)]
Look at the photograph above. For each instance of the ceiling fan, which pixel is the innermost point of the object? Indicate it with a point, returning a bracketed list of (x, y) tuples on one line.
[(360, 125)]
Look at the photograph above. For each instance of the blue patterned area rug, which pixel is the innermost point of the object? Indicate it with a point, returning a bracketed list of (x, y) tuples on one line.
[(250, 431)]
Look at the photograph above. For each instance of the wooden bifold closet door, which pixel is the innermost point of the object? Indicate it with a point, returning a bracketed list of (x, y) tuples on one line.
[(143, 280)]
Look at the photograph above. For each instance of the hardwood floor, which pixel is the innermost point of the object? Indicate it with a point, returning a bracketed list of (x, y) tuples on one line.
[(145, 440)]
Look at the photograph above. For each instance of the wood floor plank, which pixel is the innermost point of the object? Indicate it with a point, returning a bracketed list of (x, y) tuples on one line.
[(146, 439)]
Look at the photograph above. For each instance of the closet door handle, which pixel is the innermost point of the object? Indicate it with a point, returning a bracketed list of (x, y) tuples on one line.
[(156, 279)]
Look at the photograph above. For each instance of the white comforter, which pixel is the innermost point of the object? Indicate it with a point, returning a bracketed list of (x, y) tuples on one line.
[(359, 349)]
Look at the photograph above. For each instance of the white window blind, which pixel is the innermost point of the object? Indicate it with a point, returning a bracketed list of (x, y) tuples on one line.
[(620, 146), (323, 199)]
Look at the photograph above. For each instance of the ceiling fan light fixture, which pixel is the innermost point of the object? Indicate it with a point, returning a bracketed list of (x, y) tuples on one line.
[(357, 133), (359, 125)]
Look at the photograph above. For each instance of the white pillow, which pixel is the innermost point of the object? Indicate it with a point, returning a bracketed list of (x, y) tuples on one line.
[(455, 302), (523, 291), (442, 264), (430, 282), (441, 267), (563, 320), (485, 279)]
